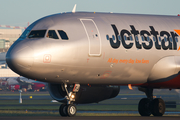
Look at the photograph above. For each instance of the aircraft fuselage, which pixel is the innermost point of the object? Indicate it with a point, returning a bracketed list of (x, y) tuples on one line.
[(102, 48)]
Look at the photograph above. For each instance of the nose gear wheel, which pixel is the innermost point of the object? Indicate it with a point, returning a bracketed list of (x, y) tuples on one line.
[(69, 109)]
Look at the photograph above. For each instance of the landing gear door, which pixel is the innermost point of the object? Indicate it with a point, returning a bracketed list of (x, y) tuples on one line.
[(93, 36)]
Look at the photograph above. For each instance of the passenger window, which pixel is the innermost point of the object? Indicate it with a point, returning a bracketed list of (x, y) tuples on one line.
[(131, 38), (136, 38), (52, 34), (159, 39), (113, 37), (107, 37), (37, 34), (176, 39), (63, 35), (148, 39), (170, 38), (165, 39), (119, 37), (142, 37), (154, 39), (125, 38)]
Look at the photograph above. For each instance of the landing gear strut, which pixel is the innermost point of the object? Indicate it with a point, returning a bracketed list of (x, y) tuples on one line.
[(148, 106), (69, 109)]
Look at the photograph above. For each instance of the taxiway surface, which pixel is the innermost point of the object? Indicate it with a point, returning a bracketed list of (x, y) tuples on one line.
[(91, 118)]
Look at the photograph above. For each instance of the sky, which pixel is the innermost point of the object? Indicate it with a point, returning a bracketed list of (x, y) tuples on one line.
[(20, 12)]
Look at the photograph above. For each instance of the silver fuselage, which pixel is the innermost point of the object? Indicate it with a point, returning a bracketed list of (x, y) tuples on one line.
[(90, 57)]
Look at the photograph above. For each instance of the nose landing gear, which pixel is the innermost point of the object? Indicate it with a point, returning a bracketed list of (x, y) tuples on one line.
[(62, 110), (69, 109)]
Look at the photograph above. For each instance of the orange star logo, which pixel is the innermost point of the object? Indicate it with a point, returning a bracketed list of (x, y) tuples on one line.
[(178, 48)]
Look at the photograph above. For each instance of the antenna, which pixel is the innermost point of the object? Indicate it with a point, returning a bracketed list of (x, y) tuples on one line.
[(74, 9)]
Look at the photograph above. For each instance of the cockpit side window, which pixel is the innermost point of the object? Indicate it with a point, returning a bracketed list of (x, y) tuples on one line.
[(37, 34), (25, 34), (63, 35), (52, 34)]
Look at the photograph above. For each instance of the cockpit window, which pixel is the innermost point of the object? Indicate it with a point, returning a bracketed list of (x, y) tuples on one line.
[(52, 34), (63, 35), (37, 34), (25, 34)]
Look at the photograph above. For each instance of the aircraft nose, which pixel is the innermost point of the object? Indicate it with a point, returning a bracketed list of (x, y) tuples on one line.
[(20, 59)]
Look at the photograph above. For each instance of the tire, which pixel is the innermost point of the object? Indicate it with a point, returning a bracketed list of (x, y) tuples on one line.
[(62, 110), (158, 107), (71, 110), (143, 107)]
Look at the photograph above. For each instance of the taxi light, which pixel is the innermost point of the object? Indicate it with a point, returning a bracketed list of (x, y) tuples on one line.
[(72, 96)]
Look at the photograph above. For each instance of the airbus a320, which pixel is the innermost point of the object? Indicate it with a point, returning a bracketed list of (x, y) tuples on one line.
[(85, 57)]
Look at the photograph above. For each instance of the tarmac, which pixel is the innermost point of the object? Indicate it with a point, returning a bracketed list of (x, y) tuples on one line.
[(91, 118)]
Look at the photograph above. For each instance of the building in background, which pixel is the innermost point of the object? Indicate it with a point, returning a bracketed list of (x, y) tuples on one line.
[(8, 37)]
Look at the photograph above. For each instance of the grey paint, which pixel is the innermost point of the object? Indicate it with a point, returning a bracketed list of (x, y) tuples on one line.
[(72, 61)]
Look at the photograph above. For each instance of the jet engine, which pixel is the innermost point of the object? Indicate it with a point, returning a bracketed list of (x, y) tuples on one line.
[(86, 93)]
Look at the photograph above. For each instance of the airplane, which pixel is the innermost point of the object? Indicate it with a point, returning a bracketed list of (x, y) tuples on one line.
[(86, 56), (3, 83), (26, 85), (17, 83)]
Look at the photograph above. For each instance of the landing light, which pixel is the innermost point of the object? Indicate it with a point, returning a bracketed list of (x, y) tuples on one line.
[(72, 96)]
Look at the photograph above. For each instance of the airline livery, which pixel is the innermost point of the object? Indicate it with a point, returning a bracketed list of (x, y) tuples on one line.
[(86, 57)]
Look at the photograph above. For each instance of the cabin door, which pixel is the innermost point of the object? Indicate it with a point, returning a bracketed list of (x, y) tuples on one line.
[(93, 37)]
